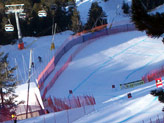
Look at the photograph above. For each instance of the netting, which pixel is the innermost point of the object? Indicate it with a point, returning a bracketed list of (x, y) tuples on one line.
[(72, 41), (154, 74), (60, 104)]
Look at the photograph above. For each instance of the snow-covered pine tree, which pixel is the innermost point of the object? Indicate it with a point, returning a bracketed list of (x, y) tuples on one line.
[(8, 83)]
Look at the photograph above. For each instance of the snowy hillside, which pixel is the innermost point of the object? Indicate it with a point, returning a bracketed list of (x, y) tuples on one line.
[(40, 47), (109, 60), (115, 59), (112, 8)]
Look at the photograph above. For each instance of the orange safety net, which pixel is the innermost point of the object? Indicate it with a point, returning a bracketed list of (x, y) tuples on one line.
[(92, 30)]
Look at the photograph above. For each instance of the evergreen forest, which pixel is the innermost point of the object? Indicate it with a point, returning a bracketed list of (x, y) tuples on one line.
[(62, 12)]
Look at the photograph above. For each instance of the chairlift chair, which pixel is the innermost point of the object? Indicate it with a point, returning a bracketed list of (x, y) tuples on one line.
[(53, 7), (22, 15), (71, 4), (9, 27), (42, 13)]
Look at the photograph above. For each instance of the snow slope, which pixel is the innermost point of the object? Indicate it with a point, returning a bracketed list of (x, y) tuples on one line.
[(114, 59), (112, 8), (40, 47)]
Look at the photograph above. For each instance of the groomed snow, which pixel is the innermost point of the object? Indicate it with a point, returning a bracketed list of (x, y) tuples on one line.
[(114, 59)]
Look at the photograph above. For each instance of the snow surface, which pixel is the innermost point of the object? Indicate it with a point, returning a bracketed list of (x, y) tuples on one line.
[(159, 9), (119, 58), (114, 59)]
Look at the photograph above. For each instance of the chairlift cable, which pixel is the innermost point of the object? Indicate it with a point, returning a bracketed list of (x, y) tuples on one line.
[(19, 71), (9, 21), (54, 32), (16, 69), (24, 67), (34, 64)]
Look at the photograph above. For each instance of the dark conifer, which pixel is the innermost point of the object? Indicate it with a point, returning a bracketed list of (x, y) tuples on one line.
[(97, 16), (8, 83), (125, 7), (153, 24), (76, 23)]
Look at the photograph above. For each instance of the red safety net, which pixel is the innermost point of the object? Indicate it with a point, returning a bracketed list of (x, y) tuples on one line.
[(60, 104), (86, 39), (43, 75), (5, 114), (153, 75)]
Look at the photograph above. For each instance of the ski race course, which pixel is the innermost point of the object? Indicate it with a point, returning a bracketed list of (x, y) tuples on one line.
[(92, 67), (106, 61), (95, 76)]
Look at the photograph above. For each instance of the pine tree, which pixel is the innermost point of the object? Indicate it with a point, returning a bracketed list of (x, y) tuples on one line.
[(76, 23), (33, 25), (61, 18), (125, 7), (152, 24), (8, 83), (97, 16)]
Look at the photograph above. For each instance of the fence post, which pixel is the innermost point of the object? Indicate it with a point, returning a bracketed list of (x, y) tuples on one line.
[(44, 119), (67, 116), (84, 110), (158, 118), (54, 118)]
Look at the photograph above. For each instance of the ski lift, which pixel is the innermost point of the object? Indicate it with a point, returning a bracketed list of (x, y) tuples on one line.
[(42, 13), (9, 27), (71, 4), (53, 7), (22, 15)]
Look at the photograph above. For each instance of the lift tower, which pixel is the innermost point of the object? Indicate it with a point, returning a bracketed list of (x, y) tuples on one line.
[(16, 9)]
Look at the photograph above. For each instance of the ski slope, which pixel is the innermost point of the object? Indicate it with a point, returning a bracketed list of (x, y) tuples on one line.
[(109, 60), (114, 60), (40, 46)]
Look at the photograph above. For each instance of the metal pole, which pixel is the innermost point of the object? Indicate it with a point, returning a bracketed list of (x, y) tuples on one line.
[(29, 83), (18, 27)]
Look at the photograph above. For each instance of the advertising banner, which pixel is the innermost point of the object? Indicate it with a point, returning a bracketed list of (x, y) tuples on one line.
[(131, 84)]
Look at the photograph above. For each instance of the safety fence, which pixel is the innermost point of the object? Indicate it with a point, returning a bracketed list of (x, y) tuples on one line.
[(20, 112), (59, 72), (58, 104), (5, 114), (66, 116), (154, 119), (33, 111), (154, 74), (74, 40)]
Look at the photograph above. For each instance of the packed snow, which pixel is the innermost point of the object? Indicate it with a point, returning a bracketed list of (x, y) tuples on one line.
[(109, 60)]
